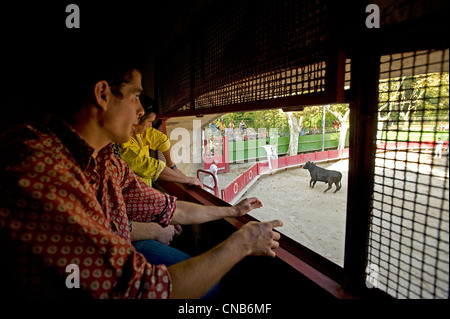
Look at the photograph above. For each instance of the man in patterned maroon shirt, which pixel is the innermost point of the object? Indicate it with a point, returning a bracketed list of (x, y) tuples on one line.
[(66, 200)]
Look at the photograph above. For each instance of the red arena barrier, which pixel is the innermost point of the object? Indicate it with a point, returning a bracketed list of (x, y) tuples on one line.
[(235, 187)]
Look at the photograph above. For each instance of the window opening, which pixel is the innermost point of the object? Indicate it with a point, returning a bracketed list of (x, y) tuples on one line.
[(311, 217)]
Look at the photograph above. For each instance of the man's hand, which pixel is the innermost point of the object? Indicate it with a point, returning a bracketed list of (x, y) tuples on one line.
[(259, 238), (193, 181), (165, 235), (246, 205), (178, 230), (192, 278)]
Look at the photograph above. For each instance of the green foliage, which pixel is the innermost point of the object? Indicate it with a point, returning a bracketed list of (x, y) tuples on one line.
[(259, 119), (274, 118), (415, 98)]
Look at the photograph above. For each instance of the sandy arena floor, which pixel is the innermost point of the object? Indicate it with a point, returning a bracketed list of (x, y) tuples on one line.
[(312, 218)]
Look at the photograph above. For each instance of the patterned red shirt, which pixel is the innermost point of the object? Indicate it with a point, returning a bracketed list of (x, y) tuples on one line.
[(60, 206)]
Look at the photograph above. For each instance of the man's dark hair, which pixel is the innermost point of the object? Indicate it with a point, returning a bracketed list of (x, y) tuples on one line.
[(148, 104), (75, 82)]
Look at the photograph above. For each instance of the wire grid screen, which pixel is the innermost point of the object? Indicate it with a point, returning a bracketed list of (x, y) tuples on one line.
[(348, 73), (251, 52), (175, 79), (408, 250)]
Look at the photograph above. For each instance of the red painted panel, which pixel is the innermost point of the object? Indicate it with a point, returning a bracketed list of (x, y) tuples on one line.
[(320, 156), (263, 167), (309, 157), (250, 174), (334, 154), (281, 162), (293, 160)]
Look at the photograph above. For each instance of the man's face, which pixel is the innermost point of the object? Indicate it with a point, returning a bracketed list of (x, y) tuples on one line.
[(144, 125), (148, 122), (123, 112)]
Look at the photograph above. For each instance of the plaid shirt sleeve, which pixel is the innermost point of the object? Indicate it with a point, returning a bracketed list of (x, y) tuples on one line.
[(144, 203)]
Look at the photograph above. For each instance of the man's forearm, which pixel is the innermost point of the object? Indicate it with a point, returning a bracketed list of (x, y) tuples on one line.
[(188, 213), (171, 175), (143, 231), (169, 161)]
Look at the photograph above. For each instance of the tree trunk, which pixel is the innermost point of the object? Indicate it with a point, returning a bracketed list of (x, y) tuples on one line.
[(344, 126), (294, 131), (342, 136)]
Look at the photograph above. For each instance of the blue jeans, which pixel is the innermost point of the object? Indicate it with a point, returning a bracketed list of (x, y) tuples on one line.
[(158, 253)]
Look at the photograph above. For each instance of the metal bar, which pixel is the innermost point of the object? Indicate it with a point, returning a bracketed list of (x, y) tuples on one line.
[(323, 128), (363, 121), (215, 188), (296, 103)]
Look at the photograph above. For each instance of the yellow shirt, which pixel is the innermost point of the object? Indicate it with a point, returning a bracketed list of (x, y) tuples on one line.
[(222, 126), (136, 153)]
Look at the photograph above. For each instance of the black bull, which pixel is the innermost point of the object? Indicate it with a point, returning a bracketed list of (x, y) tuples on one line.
[(323, 175)]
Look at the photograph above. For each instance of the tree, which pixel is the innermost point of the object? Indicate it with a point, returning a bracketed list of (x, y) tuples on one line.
[(294, 131), (337, 111), (388, 92), (413, 98), (312, 117), (268, 119)]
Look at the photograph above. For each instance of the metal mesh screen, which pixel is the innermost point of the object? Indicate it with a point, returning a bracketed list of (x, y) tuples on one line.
[(251, 52), (174, 82), (409, 231)]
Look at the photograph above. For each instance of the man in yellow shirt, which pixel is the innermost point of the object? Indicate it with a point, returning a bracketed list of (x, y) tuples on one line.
[(222, 127), (136, 152), (151, 239)]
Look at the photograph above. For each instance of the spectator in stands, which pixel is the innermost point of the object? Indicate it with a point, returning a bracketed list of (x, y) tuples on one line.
[(222, 127), (262, 132), (136, 151), (242, 126), (335, 124), (66, 199), (213, 129)]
